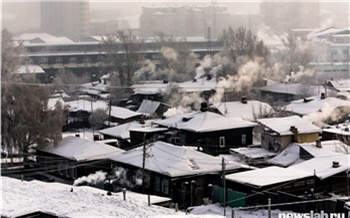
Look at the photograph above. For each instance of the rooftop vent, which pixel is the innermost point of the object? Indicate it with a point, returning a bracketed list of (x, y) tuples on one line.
[(77, 135), (204, 106), (335, 164), (323, 96), (318, 143), (244, 99), (165, 81), (194, 80), (346, 129), (209, 76), (293, 129)]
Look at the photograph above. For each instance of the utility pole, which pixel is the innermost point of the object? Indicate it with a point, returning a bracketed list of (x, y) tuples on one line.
[(224, 183), (109, 113), (92, 116), (143, 163)]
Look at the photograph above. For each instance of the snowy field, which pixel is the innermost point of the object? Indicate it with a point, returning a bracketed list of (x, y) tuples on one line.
[(19, 198)]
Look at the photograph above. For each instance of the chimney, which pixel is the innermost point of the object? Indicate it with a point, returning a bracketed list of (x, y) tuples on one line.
[(204, 106), (77, 135), (104, 81), (165, 81), (244, 99), (335, 164), (323, 96), (318, 143), (209, 76), (294, 130)]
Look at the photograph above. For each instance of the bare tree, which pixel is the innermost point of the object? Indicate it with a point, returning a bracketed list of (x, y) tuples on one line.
[(124, 53), (10, 55), (25, 117), (98, 117), (68, 82), (242, 42), (296, 54)]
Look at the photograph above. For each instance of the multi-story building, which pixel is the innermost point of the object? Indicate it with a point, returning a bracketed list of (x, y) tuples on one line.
[(184, 21), (282, 16), (70, 19), (87, 56)]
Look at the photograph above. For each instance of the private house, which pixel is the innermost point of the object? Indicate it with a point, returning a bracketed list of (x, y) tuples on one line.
[(178, 172), (317, 105), (74, 157), (122, 115), (277, 133), (138, 136), (212, 132), (339, 132), (321, 169), (282, 93), (152, 109), (245, 109), (121, 133)]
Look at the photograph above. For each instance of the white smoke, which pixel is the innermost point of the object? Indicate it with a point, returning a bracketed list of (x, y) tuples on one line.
[(176, 110), (148, 67), (301, 75), (328, 113), (120, 175), (247, 75), (95, 178), (169, 53)]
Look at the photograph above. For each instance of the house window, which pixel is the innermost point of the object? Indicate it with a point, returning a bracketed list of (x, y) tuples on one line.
[(73, 60), (165, 186), (67, 171), (28, 61), (244, 139), (222, 141), (58, 60), (43, 61), (157, 184)]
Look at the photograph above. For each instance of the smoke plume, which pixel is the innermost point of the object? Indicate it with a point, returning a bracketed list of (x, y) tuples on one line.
[(169, 53), (327, 114), (120, 175), (95, 178)]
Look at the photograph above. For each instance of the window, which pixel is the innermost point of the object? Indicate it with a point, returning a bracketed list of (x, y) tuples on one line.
[(165, 186), (244, 139), (222, 141), (157, 184), (58, 61), (43, 61), (73, 60), (28, 61)]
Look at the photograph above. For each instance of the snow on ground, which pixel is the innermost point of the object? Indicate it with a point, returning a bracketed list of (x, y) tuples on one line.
[(19, 198)]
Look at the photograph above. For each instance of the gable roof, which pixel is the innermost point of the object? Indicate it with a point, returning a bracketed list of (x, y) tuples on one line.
[(290, 88), (244, 111), (316, 104), (84, 105), (30, 68), (282, 125), (123, 113), (148, 107), (287, 157), (329, 148), (173, 161), (78, 149), (267, 176), (201, 122), (121, 131)]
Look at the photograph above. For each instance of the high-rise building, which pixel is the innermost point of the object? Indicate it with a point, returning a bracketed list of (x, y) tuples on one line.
[(70, 19), (282, 16)]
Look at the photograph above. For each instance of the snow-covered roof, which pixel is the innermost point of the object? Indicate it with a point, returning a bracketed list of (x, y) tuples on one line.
[(291, 88), (198, 85), (207, 122), (253, 152), (340, 129), (123, 113), (84, 105), (84, 201), (341, 85), (150, 87), (315, 104), (121, 131), (78, 149), (173, 161), (172, 121), (148, 107), (30, 36), (30, 69), (149, 129), (282, 125), (267, 176), (323, 166), (244, 111), (329, 148), (287, 157)]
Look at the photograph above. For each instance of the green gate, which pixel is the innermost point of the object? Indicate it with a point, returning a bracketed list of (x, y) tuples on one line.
[(234, 198)]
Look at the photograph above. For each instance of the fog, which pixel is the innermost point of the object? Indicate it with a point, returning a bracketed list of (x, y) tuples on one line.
[(24, 16)]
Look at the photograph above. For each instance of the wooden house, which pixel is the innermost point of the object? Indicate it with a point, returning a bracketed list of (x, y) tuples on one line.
[(74, 157), (212, 132), (277, 133), (178, 172)]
